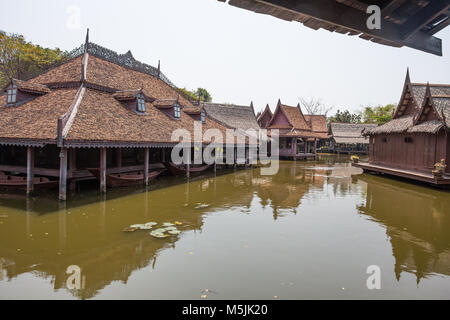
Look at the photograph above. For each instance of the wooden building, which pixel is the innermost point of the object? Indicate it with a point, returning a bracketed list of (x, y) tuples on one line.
[(299, 134), (409, 23), (99, 110), (264, 117), (416, 138), (348, 137)]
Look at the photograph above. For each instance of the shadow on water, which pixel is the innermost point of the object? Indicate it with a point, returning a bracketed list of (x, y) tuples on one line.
[(44, 237)]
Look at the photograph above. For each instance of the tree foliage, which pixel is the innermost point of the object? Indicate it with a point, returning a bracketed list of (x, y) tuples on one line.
[(199, 94), (379, 114), (21, 59), (346, 117)]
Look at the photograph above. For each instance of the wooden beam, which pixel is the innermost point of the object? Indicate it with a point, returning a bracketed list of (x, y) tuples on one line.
[(30, 170), (442, 25), (103, 170), (63, 174), (391, 7), (433, 10), (146, 162), (345, 16)]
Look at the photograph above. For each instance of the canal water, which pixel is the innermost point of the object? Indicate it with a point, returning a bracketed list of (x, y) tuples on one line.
[(311, 231)]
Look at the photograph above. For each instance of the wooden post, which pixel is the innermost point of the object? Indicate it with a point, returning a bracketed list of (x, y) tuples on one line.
[(103, 170), (30, 170), (119, 157), (235, 157), (163, 155), (146, 162), (63, 174), (315, 148), (188, 167), (72, 168), (215, 159), (306, 146)]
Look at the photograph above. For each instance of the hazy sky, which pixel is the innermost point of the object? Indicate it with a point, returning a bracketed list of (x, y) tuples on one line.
[(237, 55)]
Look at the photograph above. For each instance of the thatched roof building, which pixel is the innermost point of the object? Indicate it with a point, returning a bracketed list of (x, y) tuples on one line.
[(349, 133), (263, 118), (231, 115)]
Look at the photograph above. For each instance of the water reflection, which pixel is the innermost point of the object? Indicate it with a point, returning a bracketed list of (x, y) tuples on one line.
[(417, 221), (45, 237)]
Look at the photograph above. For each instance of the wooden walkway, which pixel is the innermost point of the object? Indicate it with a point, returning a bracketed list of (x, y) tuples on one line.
[(409, 174)]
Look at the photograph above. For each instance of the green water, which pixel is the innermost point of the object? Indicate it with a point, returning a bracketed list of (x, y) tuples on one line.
[(310, 231)]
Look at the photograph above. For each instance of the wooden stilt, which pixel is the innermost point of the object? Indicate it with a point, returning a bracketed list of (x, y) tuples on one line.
[(163, 155), (146, 162), (30, 170), (72, 168), (63, 174), (235, 158), (315, 148), (103, 170)]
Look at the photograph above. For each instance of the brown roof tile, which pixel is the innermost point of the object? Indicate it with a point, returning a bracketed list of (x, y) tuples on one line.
[(36, 119)]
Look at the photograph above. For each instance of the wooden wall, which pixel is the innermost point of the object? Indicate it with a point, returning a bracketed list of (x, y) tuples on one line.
[(421, 154)]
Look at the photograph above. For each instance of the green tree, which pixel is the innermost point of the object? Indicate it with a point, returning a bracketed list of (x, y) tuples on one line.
[(199, 94), (346, 117), (379, 114), (203, 94), (21, 59)]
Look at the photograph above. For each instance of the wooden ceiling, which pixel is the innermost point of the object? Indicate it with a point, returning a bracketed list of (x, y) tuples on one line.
[(410, 23)]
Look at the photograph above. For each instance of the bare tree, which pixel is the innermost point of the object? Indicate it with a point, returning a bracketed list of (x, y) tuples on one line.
[(314, 106)]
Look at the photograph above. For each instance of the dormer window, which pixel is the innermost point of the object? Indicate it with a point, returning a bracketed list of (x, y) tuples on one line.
[(141, 104), (176, 111), (203, 116), (12, 95)]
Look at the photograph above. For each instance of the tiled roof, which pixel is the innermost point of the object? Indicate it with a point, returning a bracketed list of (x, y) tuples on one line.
[(234, 116), (32, 87), (192, 110), (295, 117), (67, 72), (100, 117), (350, 133), (36, 119), (318, 122), (408, 122)]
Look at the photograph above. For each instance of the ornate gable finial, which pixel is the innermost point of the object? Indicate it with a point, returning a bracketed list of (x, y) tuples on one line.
[(251, 104), (408, 79), (159, 69), (279, 102), (86, 43)]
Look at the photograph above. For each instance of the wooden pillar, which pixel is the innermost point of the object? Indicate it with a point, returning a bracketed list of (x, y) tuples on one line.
[(215, 159), (315, 147), (235, 157), (63, 174), (146, 162), (103, 170), (72, 168), (119, 157), (188, 173), (306, 146), (30, 170), (163, 155)]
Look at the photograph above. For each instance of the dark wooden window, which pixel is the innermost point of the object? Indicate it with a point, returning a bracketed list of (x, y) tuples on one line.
[(141, 105), (203, 116), (177, 111), (12, 95), (384, 139), (408, 140)]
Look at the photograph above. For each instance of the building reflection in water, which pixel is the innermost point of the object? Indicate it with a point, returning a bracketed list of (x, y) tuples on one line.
[(46, 237), (417, 221)]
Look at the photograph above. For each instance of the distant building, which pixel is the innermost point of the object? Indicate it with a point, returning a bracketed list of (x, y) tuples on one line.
[(299, 134), (348, 137), (231, 115), (264, 117)]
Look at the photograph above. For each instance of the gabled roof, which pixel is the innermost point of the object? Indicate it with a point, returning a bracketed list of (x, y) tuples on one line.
[(416, 99), (30, 87), (266, 112), (84, 109), (231, 115)]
